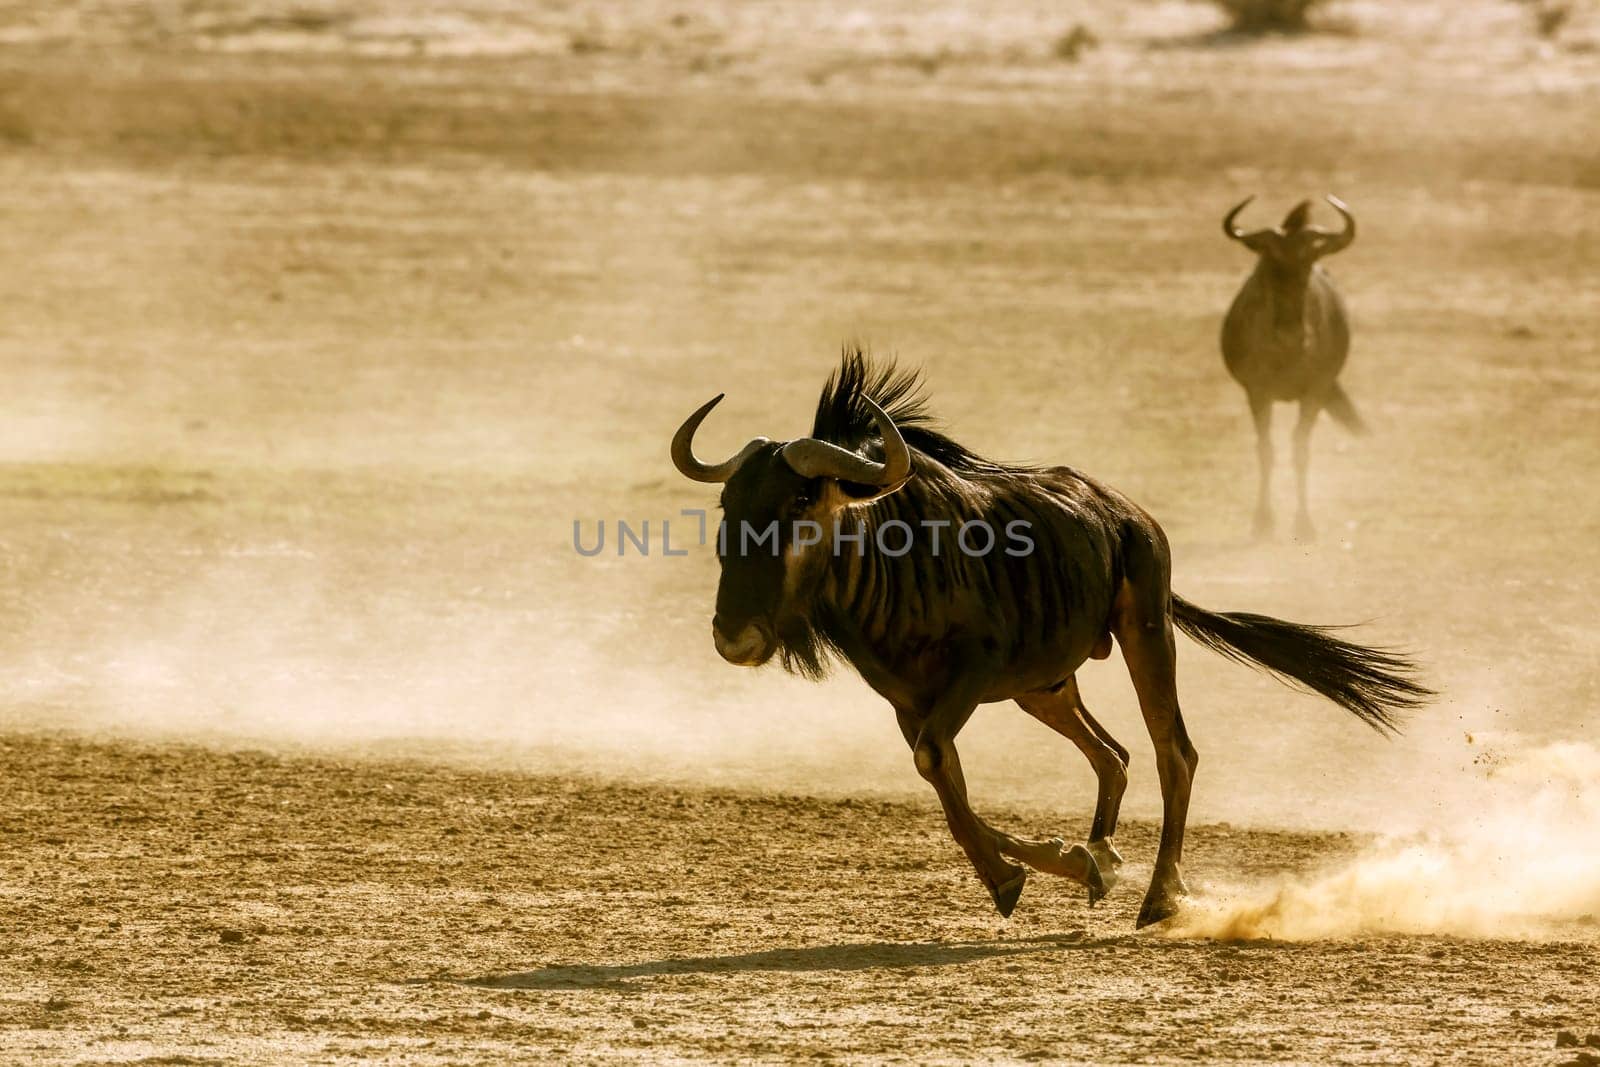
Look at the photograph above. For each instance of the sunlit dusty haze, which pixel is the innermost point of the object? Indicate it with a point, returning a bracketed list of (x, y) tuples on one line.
[(332, 330)]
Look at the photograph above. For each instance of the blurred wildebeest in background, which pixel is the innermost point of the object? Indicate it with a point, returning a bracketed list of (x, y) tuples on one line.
[(1286, 337), (937, 633)]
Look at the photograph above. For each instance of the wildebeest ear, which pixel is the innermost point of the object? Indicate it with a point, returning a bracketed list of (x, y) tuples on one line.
[(855, 491), (1261, 242), (838, 494)]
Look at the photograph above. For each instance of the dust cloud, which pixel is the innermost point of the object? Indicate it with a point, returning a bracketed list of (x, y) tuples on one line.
[(1518, 856), (460, 641), (281, 649)]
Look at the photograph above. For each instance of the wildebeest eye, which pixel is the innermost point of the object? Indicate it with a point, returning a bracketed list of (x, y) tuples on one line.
[(802, 500)]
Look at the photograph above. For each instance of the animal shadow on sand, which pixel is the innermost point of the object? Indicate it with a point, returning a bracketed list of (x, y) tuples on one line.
[(849, 957)]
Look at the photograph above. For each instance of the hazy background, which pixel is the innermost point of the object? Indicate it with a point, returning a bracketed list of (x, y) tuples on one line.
[(324, 321)]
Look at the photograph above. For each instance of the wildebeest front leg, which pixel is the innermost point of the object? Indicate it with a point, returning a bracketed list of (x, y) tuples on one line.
[(932, 740), (1309, 410), (1143, 627), (1053, 856), (1261, 412), (1062, 709)]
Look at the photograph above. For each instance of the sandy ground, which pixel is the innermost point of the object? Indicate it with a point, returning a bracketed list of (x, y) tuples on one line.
[(323, 322), (173, 905)]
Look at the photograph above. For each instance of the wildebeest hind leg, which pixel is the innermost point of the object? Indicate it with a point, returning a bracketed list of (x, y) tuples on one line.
[(932, 741), (1144, 630)]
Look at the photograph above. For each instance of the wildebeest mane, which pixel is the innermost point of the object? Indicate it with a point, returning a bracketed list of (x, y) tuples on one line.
[(844, 418)]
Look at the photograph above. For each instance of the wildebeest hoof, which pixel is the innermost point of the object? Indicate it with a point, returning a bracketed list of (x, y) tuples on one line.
[(1162, 901), (1108, 860), (1079, 864), (1105, 853), (1304, 532), (1076, 862), (1094, 878), (1006, 894), (1261, 528), (1157, 909)]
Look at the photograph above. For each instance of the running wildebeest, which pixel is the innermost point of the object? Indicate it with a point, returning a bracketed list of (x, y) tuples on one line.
[(1286, 338), (830, 547)]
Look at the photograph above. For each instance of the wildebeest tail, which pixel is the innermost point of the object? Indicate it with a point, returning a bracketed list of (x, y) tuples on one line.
[(1373, 684), (1343, 411)]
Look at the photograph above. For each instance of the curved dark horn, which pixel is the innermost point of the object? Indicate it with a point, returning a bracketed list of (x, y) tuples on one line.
[(1227, 223), (1338, 241), (683, 449), (812, 458)]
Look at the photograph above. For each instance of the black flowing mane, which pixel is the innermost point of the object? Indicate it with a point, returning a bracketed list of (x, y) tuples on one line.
[(844, 418)]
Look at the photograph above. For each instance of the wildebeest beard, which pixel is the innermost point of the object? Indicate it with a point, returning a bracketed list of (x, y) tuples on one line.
[(802, 648), (807, 642)]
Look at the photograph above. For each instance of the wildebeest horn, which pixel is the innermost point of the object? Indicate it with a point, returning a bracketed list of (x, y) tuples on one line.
[(812, 458), (683, 449), (1338, 241), (1227, 223)]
